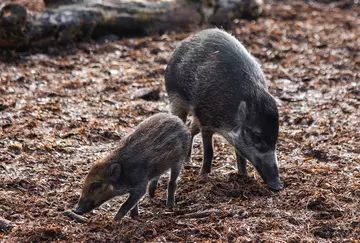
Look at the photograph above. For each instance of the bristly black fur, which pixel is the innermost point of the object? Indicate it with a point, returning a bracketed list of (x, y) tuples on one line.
[(210, 75)]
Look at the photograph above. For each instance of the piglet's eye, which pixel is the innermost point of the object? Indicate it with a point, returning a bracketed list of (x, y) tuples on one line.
[(95, 185)]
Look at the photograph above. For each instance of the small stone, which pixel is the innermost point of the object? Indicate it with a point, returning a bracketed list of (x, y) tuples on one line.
[(147, 94)]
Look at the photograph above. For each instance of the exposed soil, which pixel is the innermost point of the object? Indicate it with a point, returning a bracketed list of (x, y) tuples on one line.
[(63, 108)]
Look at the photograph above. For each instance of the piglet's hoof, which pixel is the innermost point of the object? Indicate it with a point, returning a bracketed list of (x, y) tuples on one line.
[(117, 218)]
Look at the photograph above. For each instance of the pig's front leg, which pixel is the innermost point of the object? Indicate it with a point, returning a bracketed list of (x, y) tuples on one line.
[(241, 164), (130, 203)]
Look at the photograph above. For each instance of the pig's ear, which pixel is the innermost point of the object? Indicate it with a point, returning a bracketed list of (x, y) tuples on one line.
[(239, 120), (241, 114), (115, 171)]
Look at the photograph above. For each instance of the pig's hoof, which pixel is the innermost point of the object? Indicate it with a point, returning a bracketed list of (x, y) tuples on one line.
[(205, 171), (170, 204), (276, 188), (203, 176)]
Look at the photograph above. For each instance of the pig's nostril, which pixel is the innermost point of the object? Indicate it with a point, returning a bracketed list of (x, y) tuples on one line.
[(276, 187)]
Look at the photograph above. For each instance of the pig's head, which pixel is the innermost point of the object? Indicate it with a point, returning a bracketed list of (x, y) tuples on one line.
[(99, 186), (256, 134)]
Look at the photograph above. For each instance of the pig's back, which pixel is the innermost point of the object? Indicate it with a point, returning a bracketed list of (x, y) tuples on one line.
[(213, 72)]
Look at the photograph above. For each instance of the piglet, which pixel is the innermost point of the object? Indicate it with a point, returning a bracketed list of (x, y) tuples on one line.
[(160, 143)]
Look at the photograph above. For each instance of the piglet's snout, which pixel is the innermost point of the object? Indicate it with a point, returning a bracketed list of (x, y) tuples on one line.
[(84, 206)]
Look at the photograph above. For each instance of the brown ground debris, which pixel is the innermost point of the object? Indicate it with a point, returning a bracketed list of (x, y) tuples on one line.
[(62, 108)]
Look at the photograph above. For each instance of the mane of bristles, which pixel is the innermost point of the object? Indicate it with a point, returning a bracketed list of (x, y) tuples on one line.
[(100, 165), (96, 171)]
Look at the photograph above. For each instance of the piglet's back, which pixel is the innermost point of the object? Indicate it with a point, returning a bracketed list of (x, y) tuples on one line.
[(159, 137)]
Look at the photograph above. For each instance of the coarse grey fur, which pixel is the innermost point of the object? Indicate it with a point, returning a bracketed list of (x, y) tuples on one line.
[(160, 143), (213, 77)]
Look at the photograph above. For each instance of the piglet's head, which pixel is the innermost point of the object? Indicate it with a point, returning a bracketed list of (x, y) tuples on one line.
[(98, 186)]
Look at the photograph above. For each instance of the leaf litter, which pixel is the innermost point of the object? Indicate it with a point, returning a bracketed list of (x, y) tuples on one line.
[(62, 108)]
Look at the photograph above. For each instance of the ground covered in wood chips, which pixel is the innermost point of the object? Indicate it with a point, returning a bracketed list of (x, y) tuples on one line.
[(63, 108)]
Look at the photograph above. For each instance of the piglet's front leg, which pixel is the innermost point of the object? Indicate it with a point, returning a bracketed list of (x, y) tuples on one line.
[(130, 203)]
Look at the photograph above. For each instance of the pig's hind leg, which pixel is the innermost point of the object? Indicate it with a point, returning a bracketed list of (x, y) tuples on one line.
[(194, 130), (152, 187), (208, 152), (172, 186)]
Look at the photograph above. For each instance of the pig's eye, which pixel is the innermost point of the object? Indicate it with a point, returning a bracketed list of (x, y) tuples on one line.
[(258, 140), (256, 137), (94, 186)]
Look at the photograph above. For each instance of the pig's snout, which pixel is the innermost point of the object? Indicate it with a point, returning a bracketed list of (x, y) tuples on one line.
[(84, 206), (267, 167), (275, 185)]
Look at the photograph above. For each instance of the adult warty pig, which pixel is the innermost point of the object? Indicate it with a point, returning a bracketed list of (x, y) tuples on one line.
[(158, 144), (214, 78)]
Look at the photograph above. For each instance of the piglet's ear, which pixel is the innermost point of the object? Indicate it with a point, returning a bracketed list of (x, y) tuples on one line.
[(115, 171)]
